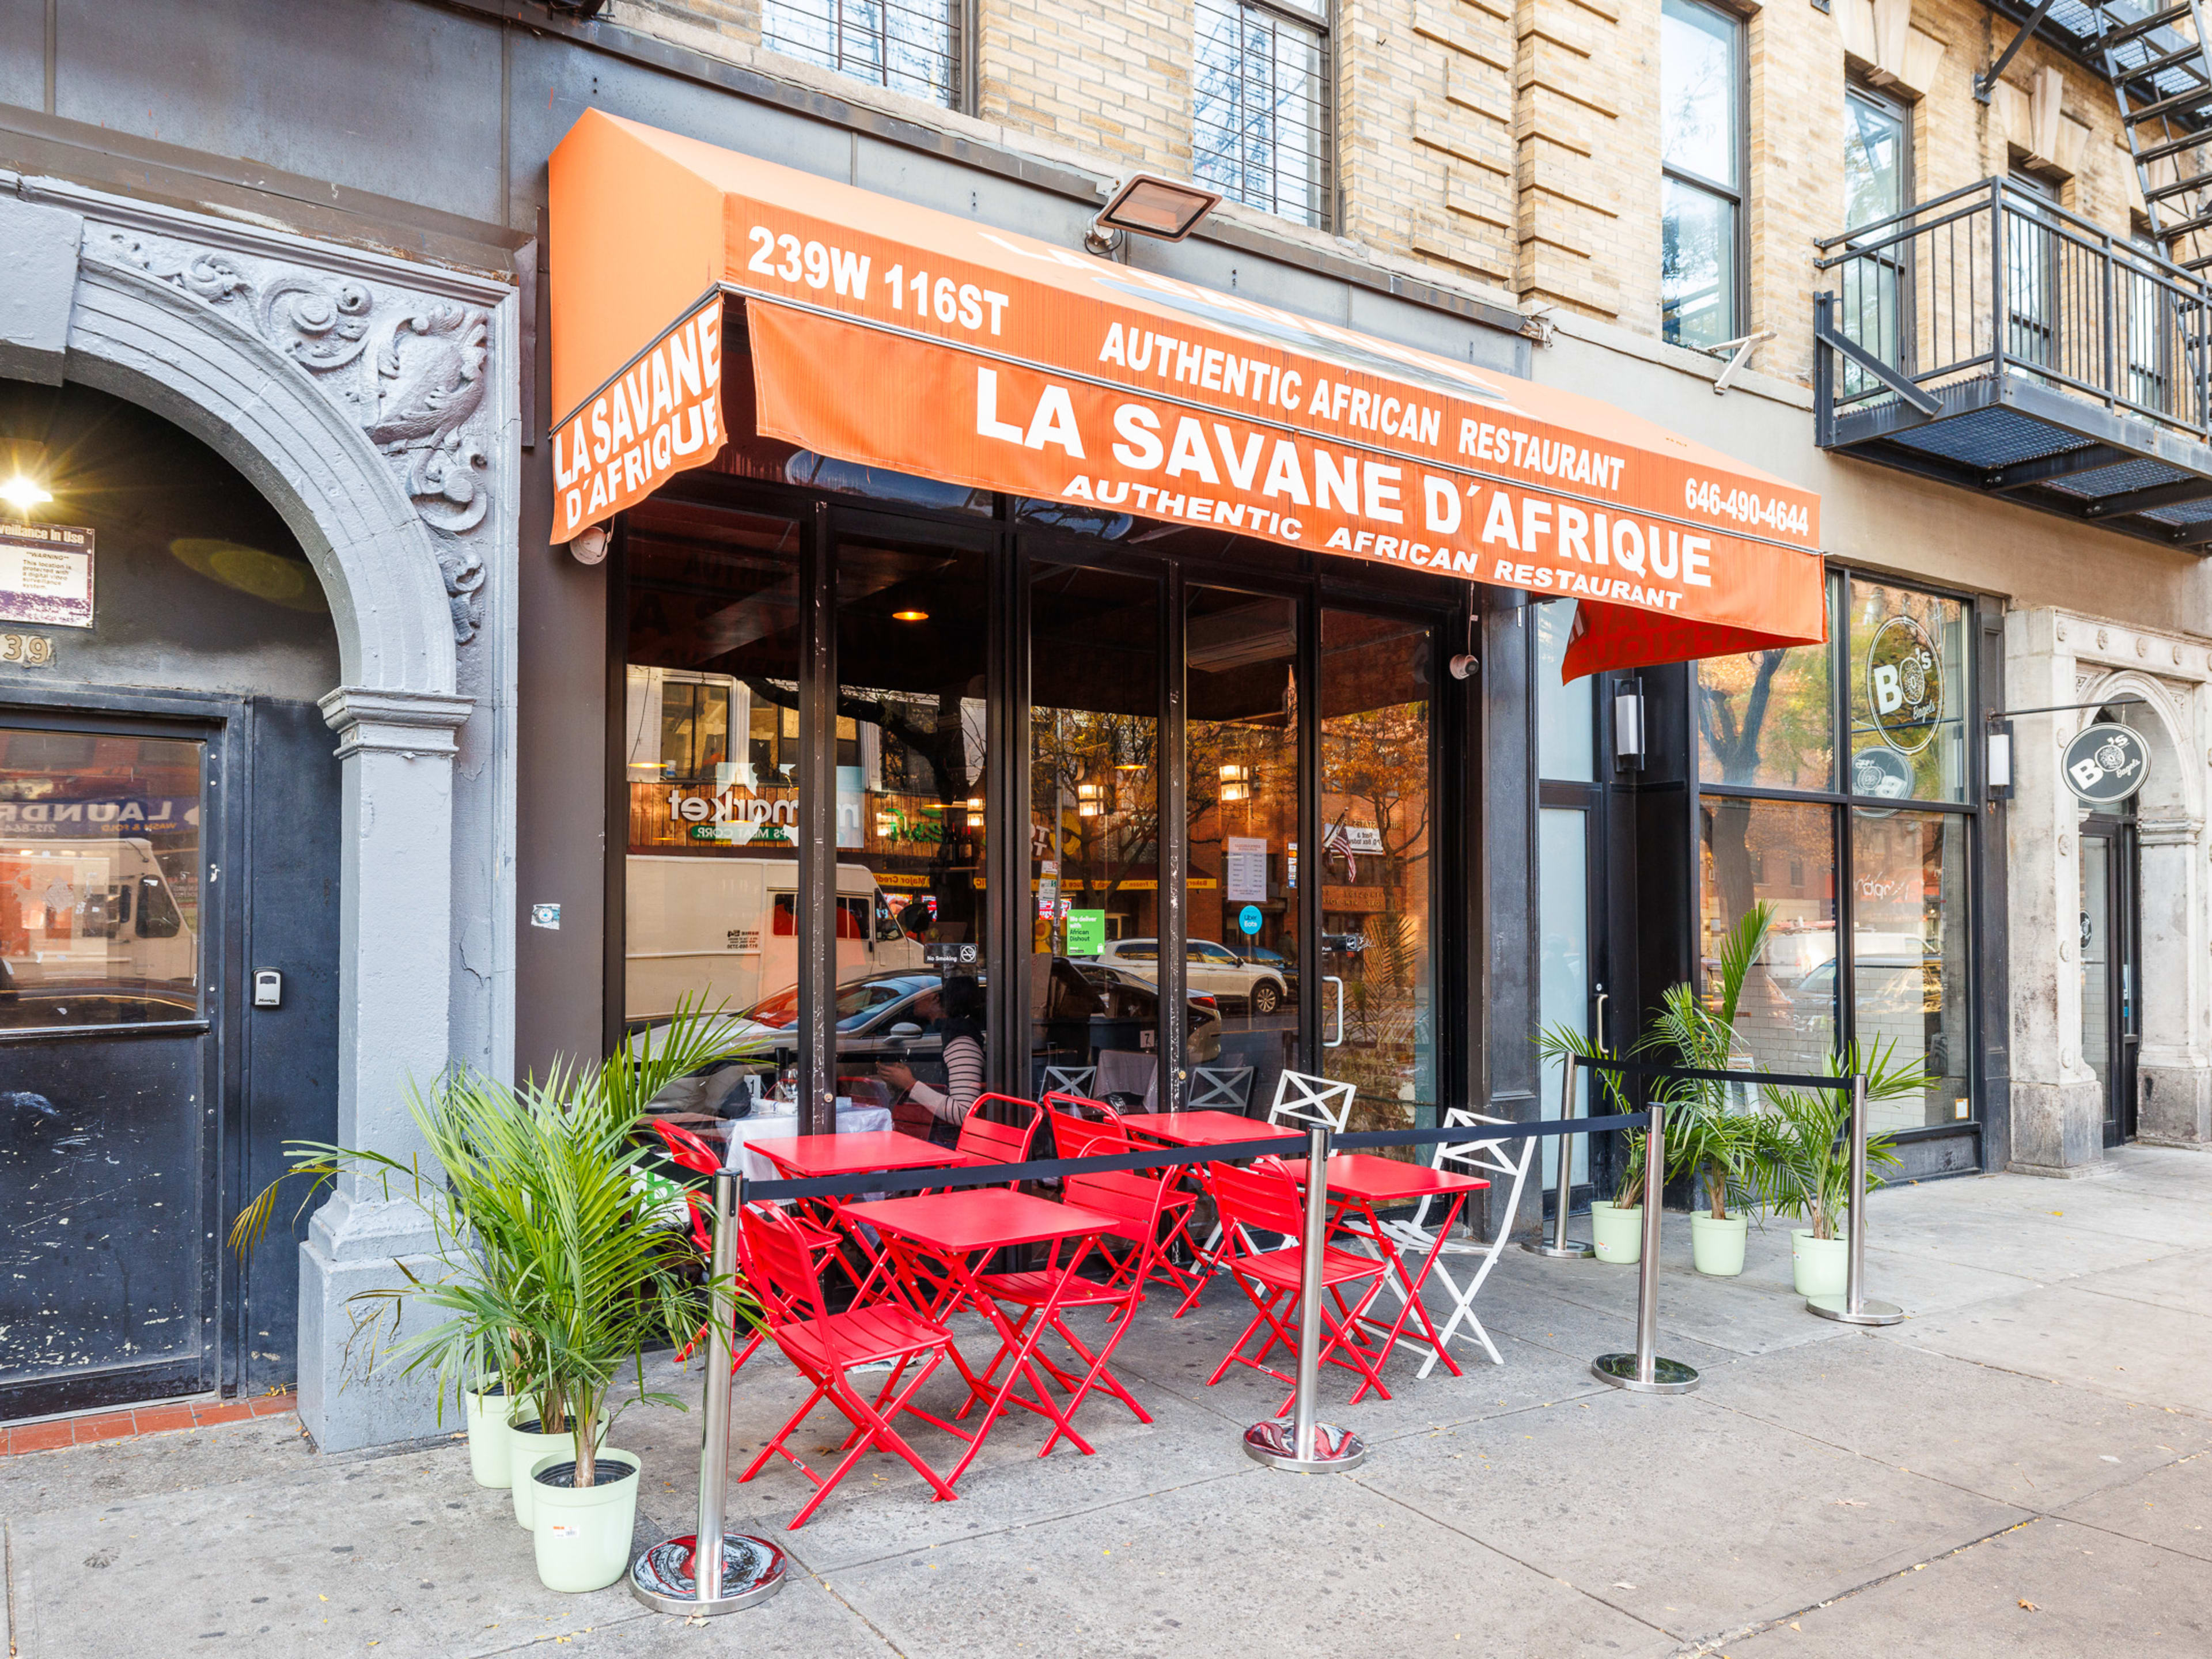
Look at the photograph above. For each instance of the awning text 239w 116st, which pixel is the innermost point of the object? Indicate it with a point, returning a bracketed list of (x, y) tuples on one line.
[(894, 335)]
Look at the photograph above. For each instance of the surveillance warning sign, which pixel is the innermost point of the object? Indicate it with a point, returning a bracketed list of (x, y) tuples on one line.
[(46, 576)]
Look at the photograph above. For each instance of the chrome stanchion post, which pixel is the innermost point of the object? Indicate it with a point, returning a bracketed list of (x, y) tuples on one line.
[(675, 1576), (1298, 1442), (1645, 1372), (1563, 1194), (1851, 1307)]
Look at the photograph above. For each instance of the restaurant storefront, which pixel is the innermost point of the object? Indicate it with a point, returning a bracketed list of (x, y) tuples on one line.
[(1010, 642)]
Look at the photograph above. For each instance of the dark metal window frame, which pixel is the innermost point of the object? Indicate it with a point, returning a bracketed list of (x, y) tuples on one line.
[(1838, 804), (1738, 195), (1456, 900), (959, 52), (1320, 20)]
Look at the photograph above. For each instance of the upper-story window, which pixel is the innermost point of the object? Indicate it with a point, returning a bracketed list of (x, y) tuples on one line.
[(1260, 104), (1701, 190), (909, 46)]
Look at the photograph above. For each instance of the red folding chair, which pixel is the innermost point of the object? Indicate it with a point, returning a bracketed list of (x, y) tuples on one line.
[(1001, 1143), (1136, 1209), (825, 1347), (1082, 1127), (1265, 1199)]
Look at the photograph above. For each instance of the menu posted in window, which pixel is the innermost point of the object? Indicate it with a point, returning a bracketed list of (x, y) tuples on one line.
[(46, 576)]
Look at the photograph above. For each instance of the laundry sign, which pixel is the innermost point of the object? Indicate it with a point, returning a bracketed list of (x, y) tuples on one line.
[(45, 574)]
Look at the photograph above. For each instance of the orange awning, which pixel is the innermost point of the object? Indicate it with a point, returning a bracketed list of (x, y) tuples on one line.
[(889, 335)]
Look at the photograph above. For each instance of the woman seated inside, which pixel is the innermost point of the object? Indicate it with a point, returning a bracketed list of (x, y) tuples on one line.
[(955, 1008)]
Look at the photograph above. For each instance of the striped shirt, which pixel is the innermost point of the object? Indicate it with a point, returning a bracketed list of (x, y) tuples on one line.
[(963, 1080)]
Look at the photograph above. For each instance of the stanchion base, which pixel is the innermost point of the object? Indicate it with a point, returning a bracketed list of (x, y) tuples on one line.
[(1667, 1375), (1574, 1249), (1869, 1313), (1275, 1443), (752, 1570)]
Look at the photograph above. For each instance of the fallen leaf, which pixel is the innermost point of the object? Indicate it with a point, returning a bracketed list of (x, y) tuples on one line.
[(1621, 1586), (2030, 1606), (1852, 1503)]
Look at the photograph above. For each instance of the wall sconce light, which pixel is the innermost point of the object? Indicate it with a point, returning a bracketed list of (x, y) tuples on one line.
[(1628, 726), (1149, 205), (25, 488), (1092, 801), (1236, 783), (1996, 771), (975, 811)]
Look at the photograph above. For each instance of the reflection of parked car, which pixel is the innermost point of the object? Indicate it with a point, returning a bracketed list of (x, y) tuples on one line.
[(1261, 956), (880, 1018), (1207, 966), (1887, 991)]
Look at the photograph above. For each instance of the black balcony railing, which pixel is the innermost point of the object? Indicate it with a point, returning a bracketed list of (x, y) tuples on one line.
[(1994, 339)]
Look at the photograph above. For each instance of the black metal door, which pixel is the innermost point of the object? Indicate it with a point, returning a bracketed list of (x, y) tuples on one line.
[(111, 946), (2110, 1019)]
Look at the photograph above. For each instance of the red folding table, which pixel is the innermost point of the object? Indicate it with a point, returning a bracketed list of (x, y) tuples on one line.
[(1200, 1129), (1357, 1184), (961, 1229)]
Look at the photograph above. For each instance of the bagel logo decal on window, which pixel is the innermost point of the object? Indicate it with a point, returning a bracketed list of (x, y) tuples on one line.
[(1904, 685)]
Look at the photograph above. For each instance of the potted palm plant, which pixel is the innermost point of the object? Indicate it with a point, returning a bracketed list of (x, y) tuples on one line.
[(554, 1266), (1616, 1228), (1708, 1141), (1801, 1161)]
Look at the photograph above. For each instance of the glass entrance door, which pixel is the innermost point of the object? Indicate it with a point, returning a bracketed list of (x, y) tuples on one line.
[(1378, 944), (2108, 968), (107, 999)]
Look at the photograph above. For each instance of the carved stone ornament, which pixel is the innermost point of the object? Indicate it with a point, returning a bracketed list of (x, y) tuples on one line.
[(411, 371)]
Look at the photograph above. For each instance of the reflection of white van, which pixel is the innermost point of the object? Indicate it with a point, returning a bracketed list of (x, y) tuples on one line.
[(726, 930), (91, 911)]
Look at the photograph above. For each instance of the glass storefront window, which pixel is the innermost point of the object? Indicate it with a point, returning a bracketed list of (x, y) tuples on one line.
[(1783, 853), (1563, 988), (1242, 742), (913, 813), (1095, 835), (100, 879), (1566, 727), (1906, 676), (711, 875), (1909, 948), (1374, 866), (1767, 719)]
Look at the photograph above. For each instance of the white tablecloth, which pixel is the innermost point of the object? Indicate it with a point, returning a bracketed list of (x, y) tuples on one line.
[(851, 1120)]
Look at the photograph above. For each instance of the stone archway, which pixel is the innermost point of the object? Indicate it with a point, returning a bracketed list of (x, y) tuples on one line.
[(389, 498), (2054, 660), (2173, 1071)]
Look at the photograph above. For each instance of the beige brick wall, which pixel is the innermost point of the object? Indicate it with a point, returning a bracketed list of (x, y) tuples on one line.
[(1511, 147)]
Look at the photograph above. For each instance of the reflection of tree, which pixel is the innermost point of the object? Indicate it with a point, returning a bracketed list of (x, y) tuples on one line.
[(1763, 717), (1374, 767), (1071, 749)]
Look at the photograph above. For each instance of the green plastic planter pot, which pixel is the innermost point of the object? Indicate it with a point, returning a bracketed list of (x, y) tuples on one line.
[(526, 1445), (582, 1533), (487, 1409), (1818, 1265), (1617, 1234), (1716, 1247)]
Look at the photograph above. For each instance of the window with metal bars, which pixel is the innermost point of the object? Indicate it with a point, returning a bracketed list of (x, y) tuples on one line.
[(909, 46), (1260, 104)]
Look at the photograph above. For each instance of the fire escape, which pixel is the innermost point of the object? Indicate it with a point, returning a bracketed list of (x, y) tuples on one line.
[(1994, 340)]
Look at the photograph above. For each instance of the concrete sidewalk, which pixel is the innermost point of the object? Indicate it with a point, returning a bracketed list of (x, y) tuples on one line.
[(2023, 1468)]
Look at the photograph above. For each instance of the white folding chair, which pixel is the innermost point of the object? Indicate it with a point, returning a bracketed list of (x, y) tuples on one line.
[(1219, 1089), (1490, 1157), (1312, 1100), (1067, 1080)]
